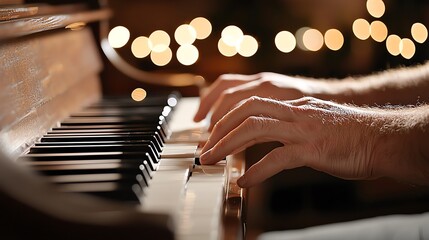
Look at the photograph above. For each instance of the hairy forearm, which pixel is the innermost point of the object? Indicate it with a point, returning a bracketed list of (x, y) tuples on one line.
[(403, 148), (402, 86)]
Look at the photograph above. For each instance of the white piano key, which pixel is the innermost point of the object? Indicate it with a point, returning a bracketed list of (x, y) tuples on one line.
[(179, 150)]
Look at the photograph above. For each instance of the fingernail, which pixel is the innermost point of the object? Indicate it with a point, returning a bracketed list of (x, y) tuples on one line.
[(242, 182), (204, 157)]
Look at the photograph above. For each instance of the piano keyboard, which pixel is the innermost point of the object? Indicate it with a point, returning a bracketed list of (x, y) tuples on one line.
[(143, 153)]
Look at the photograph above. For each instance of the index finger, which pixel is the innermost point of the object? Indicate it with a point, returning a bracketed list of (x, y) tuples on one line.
[(213, 92)]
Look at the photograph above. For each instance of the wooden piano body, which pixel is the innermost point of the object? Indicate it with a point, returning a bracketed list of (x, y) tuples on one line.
[(49, 68)]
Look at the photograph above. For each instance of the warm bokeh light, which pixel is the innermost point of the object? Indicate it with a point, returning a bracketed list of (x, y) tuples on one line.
[(232, 35), (376, 8), (361, 29), (187, 54), (118, 36), (140, 47), (138, 94), (407, 48), (313, 39), (160, 41), (226, 50), (248, 46), (419, 32), (202, 26), (378, 31), (392, 45), (299, 35), (285, 41), (334, 39), (185, 34), (161, 58)]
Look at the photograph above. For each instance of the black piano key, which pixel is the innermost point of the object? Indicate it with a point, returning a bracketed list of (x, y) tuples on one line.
[(153, 139), (141, 147), (136, 156), (110, 190)]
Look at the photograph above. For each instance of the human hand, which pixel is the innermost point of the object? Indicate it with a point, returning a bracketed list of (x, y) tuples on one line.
[(229, 89), (344, 141)]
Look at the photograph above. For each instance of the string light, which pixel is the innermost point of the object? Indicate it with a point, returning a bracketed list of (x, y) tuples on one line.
[(185, 34), (160, 41), (393, 45), (334, 39), (118, 36), (376, 8), (419, 32), (407, 48), (248, 46), (140, 47), (313, 39), (138, 94), (161, 58), (202, 26), (285, 41), (187, 54), (361, 29), (378, 31)]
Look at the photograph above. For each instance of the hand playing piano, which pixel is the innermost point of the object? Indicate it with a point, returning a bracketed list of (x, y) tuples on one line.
[(229, 89), (342, 140)]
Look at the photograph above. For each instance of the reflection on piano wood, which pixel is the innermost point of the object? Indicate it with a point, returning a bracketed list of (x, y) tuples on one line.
[(134, 163)]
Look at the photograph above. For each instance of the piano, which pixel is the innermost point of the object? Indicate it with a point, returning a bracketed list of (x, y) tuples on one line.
[(75, 164)]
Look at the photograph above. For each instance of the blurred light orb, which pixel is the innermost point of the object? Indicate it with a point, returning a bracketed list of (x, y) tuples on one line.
[(225, 49), (202, 26), (299, 36), (140, 47), (313, 39), (118, 36), (361, 29), (187, 54), (138, 94), (285, 41), (393, 45), (159, 40), (232, 35), (185, 34), (334, 39), (248, 46), (407, 48), (376, 8), (161, 58), (419, 32), (378, 31)]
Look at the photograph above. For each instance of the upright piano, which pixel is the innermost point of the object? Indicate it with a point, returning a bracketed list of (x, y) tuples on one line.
[(75, 164)]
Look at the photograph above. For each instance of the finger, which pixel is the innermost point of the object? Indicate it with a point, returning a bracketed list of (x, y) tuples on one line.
[(279, 159), (252, 130), (234, 95), (212, 93), (254, 106)]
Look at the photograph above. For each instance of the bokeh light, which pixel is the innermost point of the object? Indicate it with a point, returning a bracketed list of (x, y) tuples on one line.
[(138, 94), (299, 36), (161, 58), (407, 48), (285, 41), (140, 47), (185, 34), (248, 46), (118, 36), (334, 39), (361, 29), (313, 39), (226, 50), (419, 32), (187, 54), (232, 35), (378, 31), (392, 45), (202, 26), (160, 41), (376, 8)]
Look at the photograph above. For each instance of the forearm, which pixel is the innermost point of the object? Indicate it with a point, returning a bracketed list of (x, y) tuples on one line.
[(403, 145), (406, 86)]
